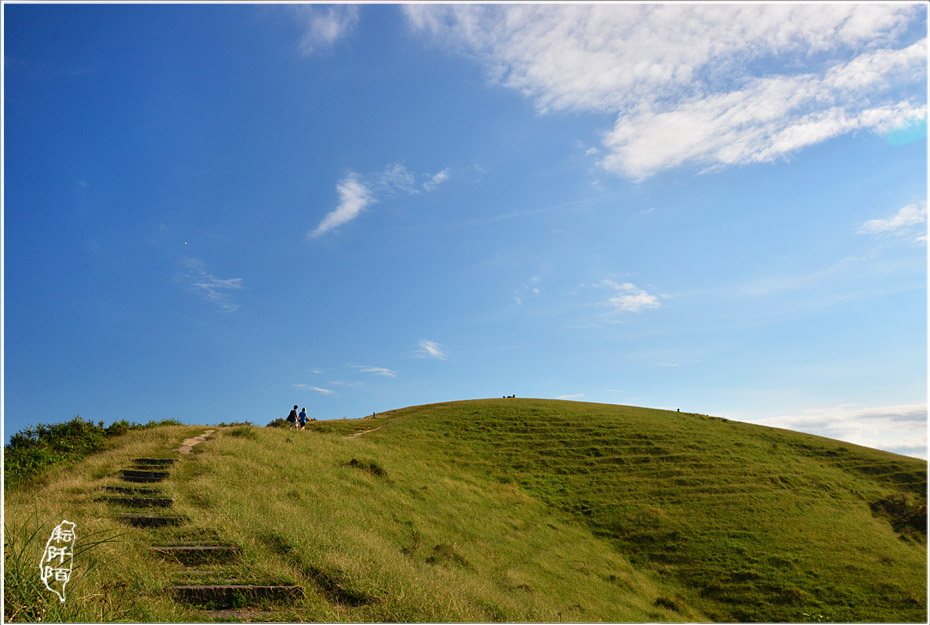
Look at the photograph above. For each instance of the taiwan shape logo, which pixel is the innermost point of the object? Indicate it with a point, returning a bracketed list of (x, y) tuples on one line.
[(54, 570)]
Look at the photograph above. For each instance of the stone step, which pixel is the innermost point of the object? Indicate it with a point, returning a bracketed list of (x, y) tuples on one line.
[(139, 502), (147, 520), (199, 554), (126, 490), (141, 480), (213, 580), (156, 461), (131, 475), (234, 595), (239, 615)]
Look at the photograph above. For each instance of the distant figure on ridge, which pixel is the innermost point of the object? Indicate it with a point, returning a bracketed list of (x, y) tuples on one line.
[(303, 418), (292, 419)]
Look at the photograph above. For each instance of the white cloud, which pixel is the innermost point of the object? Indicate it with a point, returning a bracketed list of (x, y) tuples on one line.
[(629, 298), (356, 192), (211, 288), (436, 179), (307, 387), (323, 26), (910, 220), (388, 373), (769, 118), (354, 196), (572, 396), (709, 85), (397, 178), (900, 429), (429, 349)]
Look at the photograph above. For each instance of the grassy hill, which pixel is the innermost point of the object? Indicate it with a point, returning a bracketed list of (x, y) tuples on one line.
[(502, 510)]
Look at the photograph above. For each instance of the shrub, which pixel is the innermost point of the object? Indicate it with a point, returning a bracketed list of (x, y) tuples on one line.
[(245, 431), (38, 447), (904, 516), (372, 467)]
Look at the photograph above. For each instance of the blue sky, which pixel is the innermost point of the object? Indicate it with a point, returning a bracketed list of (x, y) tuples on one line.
[(215, 212)]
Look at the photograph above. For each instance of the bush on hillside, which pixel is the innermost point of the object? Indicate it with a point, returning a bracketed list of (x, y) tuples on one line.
[(41, 446), (280, 422), (905, 517), (244, 431)]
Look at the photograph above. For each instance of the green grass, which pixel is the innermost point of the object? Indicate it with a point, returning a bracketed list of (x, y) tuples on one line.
[(754, 523), (521, 510)]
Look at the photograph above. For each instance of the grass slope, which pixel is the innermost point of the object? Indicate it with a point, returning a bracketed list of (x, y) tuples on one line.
[(513, 510)]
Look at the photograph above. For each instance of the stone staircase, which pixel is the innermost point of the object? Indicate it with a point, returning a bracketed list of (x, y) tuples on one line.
[(197, 560)]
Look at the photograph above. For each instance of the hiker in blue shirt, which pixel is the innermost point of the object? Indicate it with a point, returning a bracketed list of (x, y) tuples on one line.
[(303, 418)]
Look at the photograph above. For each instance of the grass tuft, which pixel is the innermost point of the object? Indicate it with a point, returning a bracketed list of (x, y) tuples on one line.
[(243, 431), (370, 466)]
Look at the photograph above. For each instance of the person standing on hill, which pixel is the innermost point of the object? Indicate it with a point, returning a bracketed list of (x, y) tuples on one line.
[(302, 417), (292, 419)]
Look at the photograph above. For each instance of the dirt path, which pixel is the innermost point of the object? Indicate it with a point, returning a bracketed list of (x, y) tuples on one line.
[(188, 445), (367, 431)]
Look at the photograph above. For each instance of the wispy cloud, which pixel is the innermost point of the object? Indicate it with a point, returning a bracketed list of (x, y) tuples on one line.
[(323, 26), (436, 179), (707, 85), (810, 278), (530, 289), (901, 429), (308, 387), (909, 221), (397, 179), (344, 383), (356, 192), (429, 349), (572, 396), (628, 297), (354, 196), (388, 373), (211, 288)]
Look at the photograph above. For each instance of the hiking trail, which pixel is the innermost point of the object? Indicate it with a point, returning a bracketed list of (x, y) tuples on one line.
[(195, 585)]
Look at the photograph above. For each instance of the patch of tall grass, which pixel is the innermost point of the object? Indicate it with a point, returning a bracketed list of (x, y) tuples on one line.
[(27, 600)]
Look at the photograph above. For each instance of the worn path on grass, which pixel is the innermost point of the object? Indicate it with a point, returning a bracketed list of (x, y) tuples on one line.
[(366, 431), (187, 446)]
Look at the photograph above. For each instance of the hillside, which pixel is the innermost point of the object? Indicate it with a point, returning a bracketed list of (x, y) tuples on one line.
[(499, 510)]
